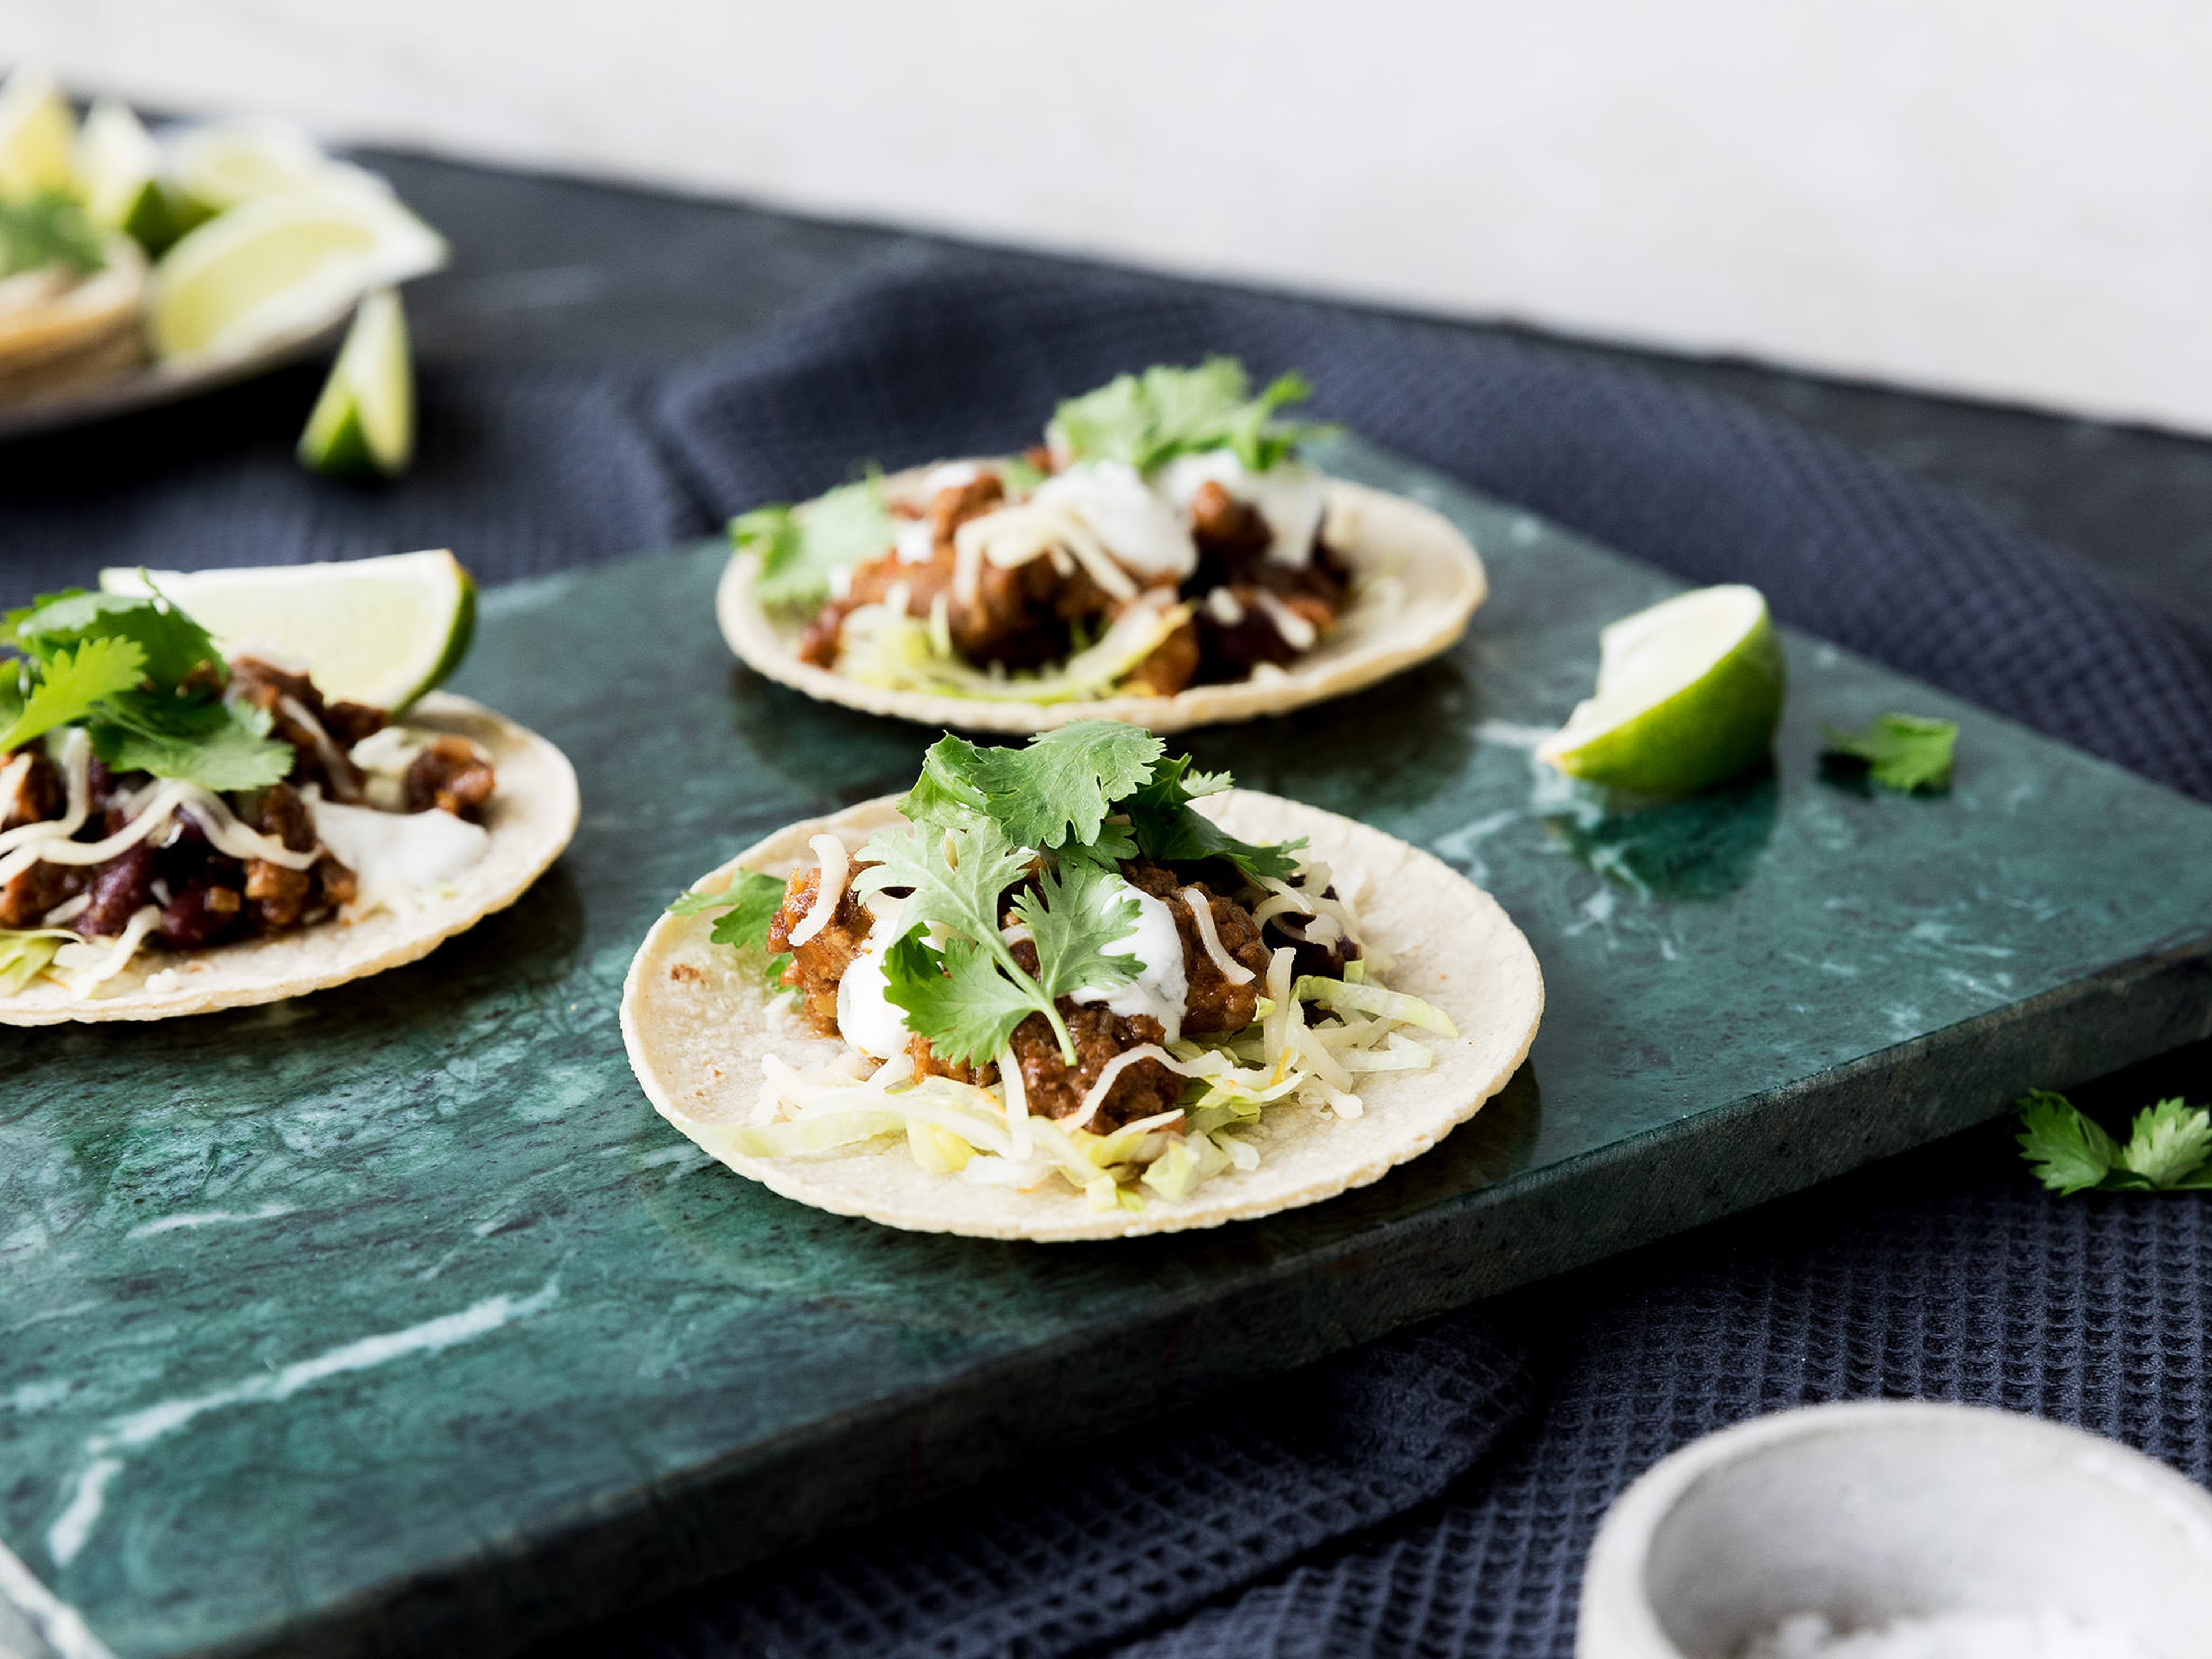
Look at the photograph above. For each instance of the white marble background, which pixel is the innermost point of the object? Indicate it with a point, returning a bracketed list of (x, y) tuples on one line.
[(2009, 198)]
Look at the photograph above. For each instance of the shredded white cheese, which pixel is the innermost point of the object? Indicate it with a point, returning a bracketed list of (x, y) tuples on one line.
[(837, 864), (1202, 912)]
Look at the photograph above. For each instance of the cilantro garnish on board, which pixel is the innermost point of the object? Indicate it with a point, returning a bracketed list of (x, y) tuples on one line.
[(1903, 752), (801, 549), (1149, 419), (2168, 1149), (144, 680)]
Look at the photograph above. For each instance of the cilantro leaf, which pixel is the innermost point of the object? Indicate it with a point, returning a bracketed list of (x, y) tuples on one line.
[(1074, 915), (1903, 752), (201, 740), (1147, 420), (47, 230), (69, 685), (177, 648), (2168, 1148), (959, 998), (1054, 792), (2068, 1152), (1167, 831), (800, 547), (2167, 1142), (742, 910)]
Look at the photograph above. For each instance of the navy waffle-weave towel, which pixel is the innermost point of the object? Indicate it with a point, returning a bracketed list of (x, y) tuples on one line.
[(520, 470)]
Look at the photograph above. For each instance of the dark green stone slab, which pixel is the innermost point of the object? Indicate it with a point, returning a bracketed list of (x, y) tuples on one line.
[(393, 1320)]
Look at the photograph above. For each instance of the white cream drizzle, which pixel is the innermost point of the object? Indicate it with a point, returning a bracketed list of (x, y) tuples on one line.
[(1162, 986)]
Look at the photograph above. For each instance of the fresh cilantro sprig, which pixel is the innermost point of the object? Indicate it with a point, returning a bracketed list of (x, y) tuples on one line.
[(144, 680), (968, 995), (1097, 789), (742, 912), (48, 229), (2168, 1149), (1148, 419), (801, 549), (1903, 752)]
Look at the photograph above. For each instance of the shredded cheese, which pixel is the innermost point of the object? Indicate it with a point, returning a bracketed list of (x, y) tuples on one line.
[(837, 864), (1202, 912), (1298, 633)]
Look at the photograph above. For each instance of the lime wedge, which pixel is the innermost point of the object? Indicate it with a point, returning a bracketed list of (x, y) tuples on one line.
[(36, 132), (379, 631), (364, 421), (220, 164), (283, 265), (118, 170), (1688, 695)]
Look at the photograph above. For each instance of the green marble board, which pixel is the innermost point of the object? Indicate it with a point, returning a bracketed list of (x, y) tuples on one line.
[(394, 1321)]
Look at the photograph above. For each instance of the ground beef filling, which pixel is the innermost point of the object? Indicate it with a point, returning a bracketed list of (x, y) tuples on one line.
[(206, 897), (1053, 1086), (1041, 611)]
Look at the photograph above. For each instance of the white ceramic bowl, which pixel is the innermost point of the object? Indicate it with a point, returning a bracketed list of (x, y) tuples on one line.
[(1873, 1512)]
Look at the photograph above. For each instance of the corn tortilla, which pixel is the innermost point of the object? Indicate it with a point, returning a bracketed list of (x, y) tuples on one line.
[(531, 816), (697, 1021), (1439, 582)]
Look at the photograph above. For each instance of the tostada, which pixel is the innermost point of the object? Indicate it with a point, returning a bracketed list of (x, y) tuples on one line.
[(1166, 557), (184, 828), (1076, 990)]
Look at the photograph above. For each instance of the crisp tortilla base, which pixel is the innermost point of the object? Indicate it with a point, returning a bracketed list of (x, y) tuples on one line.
[(90, 328), (697, 1021), (1441, 582), (531, 817)]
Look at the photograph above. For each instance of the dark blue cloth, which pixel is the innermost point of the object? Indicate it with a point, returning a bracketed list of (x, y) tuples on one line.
[(1432, 1494)]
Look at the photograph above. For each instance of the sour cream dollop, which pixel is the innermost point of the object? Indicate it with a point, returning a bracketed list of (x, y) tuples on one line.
[(1162, 986), (866, 1018), (400, 852), (1289, 496), (1147, 536)]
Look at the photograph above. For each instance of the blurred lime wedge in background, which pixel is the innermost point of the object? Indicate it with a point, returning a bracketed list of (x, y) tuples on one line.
[(1688, 695), (220, 164), (379, 631), (365, 419), (37, 130), (118, 170), (283, 265)]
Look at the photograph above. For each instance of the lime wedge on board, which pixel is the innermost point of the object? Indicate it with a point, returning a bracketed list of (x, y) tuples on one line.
[(37, 132), (1688, 695), (364, 421), (282, 265), (379, 631)]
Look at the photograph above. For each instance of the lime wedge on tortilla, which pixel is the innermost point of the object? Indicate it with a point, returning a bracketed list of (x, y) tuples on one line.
[(285, 265), (219, 164), (364, 422), (1688, 695), (37, 130), (379, 631), (119, 169)]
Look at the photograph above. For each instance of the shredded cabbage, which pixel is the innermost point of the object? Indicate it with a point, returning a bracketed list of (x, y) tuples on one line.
[(881, 645), (25, 954), (989, 1136)]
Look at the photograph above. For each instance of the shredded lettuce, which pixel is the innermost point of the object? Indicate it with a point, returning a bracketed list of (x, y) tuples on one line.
[(889, 648), (964, 1130), (25, 954)]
